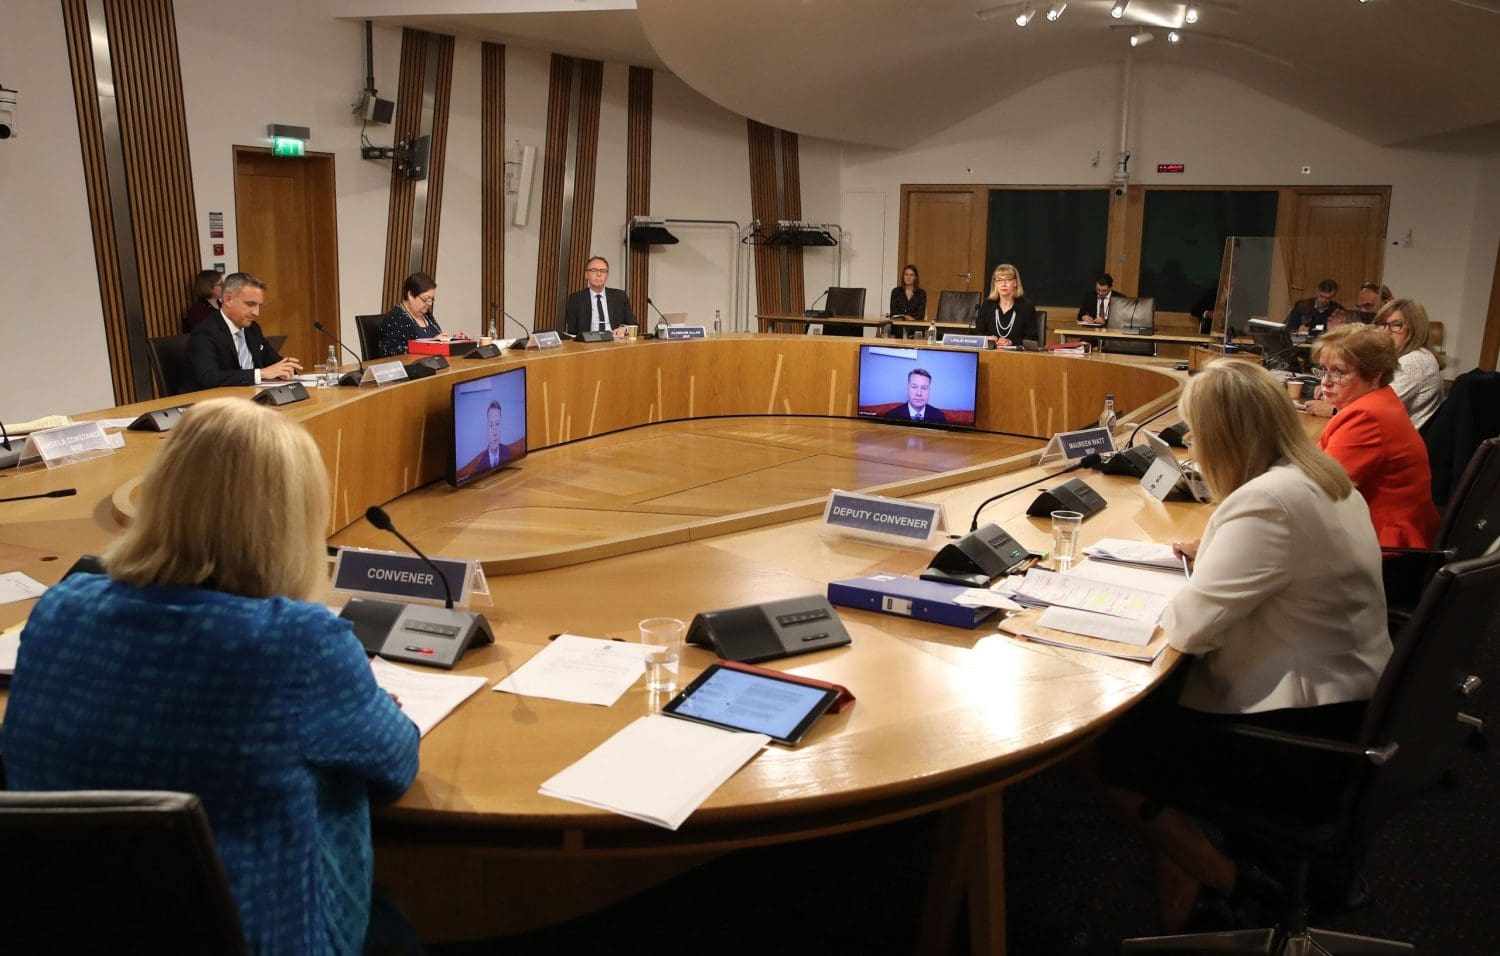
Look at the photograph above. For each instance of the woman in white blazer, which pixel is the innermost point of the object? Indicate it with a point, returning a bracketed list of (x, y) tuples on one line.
[(1284, 616)]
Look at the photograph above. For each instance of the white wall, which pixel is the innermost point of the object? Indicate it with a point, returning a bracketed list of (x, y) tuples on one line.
[(526, 73), (460, 303), (53, 358), (1048, 134), (609, 177)]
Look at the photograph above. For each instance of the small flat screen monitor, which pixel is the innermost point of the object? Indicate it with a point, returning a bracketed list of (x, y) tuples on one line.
[(489, 425), (1277, 348), (934, 388)]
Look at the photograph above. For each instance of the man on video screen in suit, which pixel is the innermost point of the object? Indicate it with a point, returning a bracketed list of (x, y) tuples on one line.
[(916, 409), (494, 454), (596, 308)]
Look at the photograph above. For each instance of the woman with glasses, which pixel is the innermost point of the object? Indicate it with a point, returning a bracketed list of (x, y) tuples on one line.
[(1270, 645), (412, 317), (1372, 437), (1419, 380), (1006, 316)]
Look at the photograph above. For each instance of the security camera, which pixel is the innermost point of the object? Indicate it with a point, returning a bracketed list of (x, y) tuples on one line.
[(7, 113), (1119, 190)]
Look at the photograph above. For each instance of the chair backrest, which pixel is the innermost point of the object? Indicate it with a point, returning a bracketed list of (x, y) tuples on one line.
[(276, 342), (957, 306), (1420, 694), (846, 302), (169, 366), (1471, 522), (368, 327), (110, 871), (1041, 327), (1470, 414)]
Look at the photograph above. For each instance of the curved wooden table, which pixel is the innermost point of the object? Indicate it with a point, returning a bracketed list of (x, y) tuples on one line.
[(945, 717)]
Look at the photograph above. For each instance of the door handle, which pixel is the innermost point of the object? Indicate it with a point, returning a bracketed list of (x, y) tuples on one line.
[(966, 276)]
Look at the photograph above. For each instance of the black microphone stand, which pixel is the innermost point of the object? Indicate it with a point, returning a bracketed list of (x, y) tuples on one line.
[(348, 378)]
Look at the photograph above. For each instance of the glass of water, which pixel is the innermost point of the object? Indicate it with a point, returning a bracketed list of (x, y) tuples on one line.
[(661, 647), (1065, 525)]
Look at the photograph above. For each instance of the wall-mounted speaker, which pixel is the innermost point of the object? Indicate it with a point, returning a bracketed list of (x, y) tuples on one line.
[(523, 189)]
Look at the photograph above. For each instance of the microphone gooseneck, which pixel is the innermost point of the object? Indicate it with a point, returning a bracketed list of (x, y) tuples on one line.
[(55, 493), (376, 516), (357, 358), (1088, 461)]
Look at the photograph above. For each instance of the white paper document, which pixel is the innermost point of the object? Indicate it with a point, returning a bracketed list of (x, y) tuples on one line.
[(1146, 554), (10, 647), (1045, 588), (15, 586), (1102, 626), (984, 597), (1165, 583), (584, 670), (658, 769), (115, 422), (425, 697)]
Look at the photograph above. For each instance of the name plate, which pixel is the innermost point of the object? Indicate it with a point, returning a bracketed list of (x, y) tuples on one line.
[(1166, 475), (1072, 446), (67, 444), (955, 340), (402, 576), (883, 519), (682, 332), (384, 373), (544, 340)]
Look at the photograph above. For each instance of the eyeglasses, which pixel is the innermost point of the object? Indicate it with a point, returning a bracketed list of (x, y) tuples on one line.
[(1396, 326), (600, 271), (1331, 374), (427, 299)]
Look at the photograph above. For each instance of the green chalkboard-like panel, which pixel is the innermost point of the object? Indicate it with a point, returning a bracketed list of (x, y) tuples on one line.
[(1182, 239), (1054, 237)]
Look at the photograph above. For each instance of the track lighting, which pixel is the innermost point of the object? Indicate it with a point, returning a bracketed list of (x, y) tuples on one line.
[(1192, 14), (1118, 10), (1024, 17), (1141, 38), (1056, 11), (1173, 36)]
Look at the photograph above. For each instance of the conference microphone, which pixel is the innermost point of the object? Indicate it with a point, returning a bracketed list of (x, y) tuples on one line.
[(661, 323), (58, 493), (417, 633), (348, 378), (526, 333), (1088, 461), (817, 313)]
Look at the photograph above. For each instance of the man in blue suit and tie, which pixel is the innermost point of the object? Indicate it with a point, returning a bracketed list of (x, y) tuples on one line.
[(229, 348), (916, 409)]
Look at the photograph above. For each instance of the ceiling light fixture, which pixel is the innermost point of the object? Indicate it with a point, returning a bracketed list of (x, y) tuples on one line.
[(988, 13), (1056, 11), (1118, 10), (1141, 38), (1192, 14), (1024, 17), (1173, 36)]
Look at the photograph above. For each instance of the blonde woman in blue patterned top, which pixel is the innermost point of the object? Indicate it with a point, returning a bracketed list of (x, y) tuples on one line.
[(200, 664)]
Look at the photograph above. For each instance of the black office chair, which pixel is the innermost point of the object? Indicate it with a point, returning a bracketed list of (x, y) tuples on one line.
[(368, 327), (845, 302), (1131, 314), (1470, 414), (1405, 745), (113, 871), (276, 342), (169, 365), (1041, 329), (1470, 525), (957, 306)]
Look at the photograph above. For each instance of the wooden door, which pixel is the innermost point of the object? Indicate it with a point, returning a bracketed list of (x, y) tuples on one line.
[(287, 230), (1339, 235), (942, 234)]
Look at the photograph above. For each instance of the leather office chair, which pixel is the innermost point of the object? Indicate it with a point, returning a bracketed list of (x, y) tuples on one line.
[(368, 327), (276, 342), (1470, 414), (1041, 328), (1405, 745), (1131, 313), (1469, 527), (169, 366), (957, 306), (113, 871), (846, 302)]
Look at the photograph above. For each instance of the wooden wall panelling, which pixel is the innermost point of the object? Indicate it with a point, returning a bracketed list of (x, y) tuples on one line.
[(770, 282), (492, 183), (638, 185), (791, 208), (585, 171), (405, 125), (554, 171), (437, 161)]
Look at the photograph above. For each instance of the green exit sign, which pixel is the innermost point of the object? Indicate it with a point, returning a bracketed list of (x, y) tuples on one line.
[(286, 146)]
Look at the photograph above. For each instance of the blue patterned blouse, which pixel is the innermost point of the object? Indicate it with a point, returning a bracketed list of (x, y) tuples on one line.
[(266, 709), (398, 328)]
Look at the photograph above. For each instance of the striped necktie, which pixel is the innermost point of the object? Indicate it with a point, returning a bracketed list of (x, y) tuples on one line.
[(242, 350)]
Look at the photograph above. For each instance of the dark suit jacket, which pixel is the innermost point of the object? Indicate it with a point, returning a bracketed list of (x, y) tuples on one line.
[(578, 314), (481, 462), (1305, 312), (929, 414), (1090, 305), (212, 361), (1025, 327)]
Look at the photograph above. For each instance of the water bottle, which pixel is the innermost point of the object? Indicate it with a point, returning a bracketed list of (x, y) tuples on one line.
[(331, 368), (1107, 417), (492, 334), (932, 331), (718, 323)]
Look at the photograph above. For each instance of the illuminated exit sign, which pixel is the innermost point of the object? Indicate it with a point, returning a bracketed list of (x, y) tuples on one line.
[(285, 146), (1170, 167)]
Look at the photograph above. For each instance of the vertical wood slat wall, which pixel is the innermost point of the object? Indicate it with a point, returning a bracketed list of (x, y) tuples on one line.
[(773, 264), (147, 78), (437, 161), (585, 171), (492, 182), (638, 184), (554, 168), (404, 126)]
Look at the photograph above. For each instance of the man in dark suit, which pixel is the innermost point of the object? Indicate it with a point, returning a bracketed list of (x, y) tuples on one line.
[(595, 307), (916, 409), (494, 454), (1097, 308), (1310, 316), (228, 348)]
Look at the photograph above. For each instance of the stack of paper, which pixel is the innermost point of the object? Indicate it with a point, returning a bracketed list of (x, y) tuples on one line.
[(425, 697), (10, 647), (1141, 554), (658, 769), (15, 586), (583, 670), (1045, 589)]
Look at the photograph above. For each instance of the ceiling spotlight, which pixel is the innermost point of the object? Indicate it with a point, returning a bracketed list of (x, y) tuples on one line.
[(1173, 36), (1141, 38), (1118, 10), (1024, 17), (1192, 14), (1056, 11)]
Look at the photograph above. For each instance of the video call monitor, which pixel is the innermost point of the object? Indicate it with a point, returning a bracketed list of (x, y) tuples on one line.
[(489, 425), (931, 388)]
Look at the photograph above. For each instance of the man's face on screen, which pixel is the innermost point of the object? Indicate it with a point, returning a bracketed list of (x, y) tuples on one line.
[(494, 424), (917, 387)]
